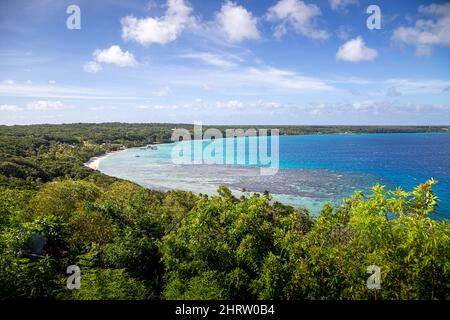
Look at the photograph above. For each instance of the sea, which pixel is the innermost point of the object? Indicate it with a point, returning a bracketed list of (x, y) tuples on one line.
[(307, 170)]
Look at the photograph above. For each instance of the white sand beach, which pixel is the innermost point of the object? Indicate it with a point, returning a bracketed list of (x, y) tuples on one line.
[(94, 162)]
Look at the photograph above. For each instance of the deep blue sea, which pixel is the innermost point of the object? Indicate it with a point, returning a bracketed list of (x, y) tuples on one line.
[(314, 169)]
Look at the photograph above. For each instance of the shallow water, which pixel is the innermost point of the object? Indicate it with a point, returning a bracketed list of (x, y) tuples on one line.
[(314, 169)]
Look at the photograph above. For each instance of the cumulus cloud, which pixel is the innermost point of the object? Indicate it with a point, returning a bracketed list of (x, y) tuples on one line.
[(340, 4), (45, 105), (356, 50), (160, 30), (427, 33), (237, 23), (10, 82), (115, 55), (297, 15), (92, 67), (10, 108)]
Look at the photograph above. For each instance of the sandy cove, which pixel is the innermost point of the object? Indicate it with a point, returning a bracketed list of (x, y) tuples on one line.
[(94, 162)]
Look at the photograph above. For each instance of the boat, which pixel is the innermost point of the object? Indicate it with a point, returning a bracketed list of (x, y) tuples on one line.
[(149, 146)]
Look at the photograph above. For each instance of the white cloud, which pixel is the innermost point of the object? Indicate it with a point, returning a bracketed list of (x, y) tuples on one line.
[(236, 105), (213, 59), (157, 107), (10, 82), (92, 67), (161, 30), (10, 108), (285, 79), (414, 86), (427, 33), (231, 104), (165, 107), (102, 108), (161, 92), (356, 50), (51, 82), (44, 105), (297, 15), (97, 108), (115, 55), (383, 107), (340, 4), (376, 108), (369, 105), (237, 23), (47, 91)]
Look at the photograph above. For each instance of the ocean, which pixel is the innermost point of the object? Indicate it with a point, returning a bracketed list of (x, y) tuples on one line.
[(313, 169)]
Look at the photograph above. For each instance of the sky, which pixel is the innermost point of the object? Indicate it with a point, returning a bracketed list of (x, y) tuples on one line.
[(261, 62)]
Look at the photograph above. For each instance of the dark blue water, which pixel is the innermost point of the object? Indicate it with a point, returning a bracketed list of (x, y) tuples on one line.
[(314, 169), (402, 160)]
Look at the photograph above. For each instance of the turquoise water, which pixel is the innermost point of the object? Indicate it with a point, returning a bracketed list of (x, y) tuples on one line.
[(314, 169)]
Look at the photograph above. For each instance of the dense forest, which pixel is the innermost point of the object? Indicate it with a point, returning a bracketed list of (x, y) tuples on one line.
[(135, 243)]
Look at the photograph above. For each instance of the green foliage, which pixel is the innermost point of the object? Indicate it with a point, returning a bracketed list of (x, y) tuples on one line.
[(25, 276), (87, 227), (205, 286), (231, 238), (63, 198), (12, 204), (108, 284), (389, 229)]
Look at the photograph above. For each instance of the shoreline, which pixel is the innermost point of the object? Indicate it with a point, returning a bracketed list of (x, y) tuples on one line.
[(94, 162)]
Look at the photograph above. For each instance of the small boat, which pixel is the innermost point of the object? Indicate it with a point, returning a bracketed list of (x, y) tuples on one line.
[(137, 156), (149, 146)]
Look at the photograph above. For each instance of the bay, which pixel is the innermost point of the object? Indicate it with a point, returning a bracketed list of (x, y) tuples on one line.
[(313, 169)]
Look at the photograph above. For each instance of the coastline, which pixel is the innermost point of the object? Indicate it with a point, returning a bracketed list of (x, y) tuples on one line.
[(94, 162)]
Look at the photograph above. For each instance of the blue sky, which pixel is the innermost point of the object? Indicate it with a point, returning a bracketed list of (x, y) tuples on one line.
[(225, 62)]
